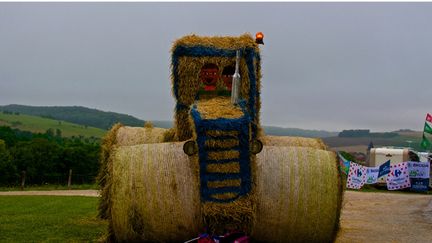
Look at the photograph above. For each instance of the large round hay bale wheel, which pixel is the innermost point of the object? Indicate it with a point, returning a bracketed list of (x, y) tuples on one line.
[(151, 190), (299, 195)]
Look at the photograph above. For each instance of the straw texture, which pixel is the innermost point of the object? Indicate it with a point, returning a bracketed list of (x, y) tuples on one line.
[(154, 195), (191, 53), (293, 141), (152, 191), (127, 136), (104, 178), (299, 195), (218, 107)]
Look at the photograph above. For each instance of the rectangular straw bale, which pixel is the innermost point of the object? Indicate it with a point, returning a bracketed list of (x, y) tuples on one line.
[(221, 155), (221, 143), (218, 133), (224, 183), (230, 167), (218, 107), (239, 214)]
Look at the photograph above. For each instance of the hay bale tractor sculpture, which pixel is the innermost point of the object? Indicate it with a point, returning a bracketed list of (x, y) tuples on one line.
[(215, 169)]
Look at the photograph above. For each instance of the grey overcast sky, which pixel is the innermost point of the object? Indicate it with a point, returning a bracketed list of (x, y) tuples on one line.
[(330, 66)]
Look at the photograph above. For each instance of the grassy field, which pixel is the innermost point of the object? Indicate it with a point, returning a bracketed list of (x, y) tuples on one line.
[(51, 187), (40, 125), (49, 219)]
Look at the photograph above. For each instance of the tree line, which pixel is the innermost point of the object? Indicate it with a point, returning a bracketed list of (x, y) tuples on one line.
[(46, 157), (356, 133)]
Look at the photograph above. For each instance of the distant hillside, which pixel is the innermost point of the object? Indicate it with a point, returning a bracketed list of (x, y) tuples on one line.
[(280, 131), (163, 124), (76, 114), (403, 139), (272, 130), (38, 124)]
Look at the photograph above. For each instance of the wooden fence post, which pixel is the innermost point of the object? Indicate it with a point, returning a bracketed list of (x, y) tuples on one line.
[(70, 179), (23, 177)]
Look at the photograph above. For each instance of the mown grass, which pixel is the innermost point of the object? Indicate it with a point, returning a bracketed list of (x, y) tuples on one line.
[(38, 124), (50, 187), (50, 219)]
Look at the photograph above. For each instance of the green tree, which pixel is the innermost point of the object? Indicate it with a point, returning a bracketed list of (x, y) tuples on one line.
[(39, 157), (58, 133), (348, 156), (8, 169), (50, 132)]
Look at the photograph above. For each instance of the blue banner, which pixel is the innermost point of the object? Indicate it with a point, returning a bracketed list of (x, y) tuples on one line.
[(384, 169), (419, 185)]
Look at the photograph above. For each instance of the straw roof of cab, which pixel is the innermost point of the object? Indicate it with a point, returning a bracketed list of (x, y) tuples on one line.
[(223, 42), (190, 53)]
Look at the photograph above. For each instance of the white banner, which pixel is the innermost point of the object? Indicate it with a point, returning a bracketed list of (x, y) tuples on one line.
[(356, 176), (372, 175), (418, 170), (398, 178)]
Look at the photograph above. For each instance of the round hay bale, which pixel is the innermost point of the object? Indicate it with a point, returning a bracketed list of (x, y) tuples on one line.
[(127, 136), (293, 141), (151, 192), (154, 194), (299, 195)]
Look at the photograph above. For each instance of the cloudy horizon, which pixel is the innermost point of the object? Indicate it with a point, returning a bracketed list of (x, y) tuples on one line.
[(326, 66)]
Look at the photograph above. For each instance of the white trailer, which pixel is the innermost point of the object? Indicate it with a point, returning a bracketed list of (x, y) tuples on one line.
[(379, 156)]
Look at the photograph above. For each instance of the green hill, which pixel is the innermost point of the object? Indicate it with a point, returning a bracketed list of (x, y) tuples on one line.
[(402, 139), (76, 114), (37, 124), (272, 130), (105, 120)]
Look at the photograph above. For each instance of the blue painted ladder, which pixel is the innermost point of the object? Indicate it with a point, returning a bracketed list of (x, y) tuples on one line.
[(213, 154)]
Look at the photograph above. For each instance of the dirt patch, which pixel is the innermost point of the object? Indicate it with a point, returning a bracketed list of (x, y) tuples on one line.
[(386, 217)]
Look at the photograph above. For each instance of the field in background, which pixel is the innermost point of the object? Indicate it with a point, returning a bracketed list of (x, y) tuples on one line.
[(37, 124), (360, 144), (49, 219)]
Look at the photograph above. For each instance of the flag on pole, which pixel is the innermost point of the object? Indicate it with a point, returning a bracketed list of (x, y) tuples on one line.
[(429, 117), (356, 176), (370, 146), (343, 164), (427, 128), (398, 178), (425, 142)]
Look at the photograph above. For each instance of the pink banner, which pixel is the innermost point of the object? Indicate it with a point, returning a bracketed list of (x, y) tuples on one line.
[(398, 178), (356, 176)]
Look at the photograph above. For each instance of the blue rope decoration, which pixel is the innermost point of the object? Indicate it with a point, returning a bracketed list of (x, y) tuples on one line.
[(223, 124), (202, 51), (250, 55)]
